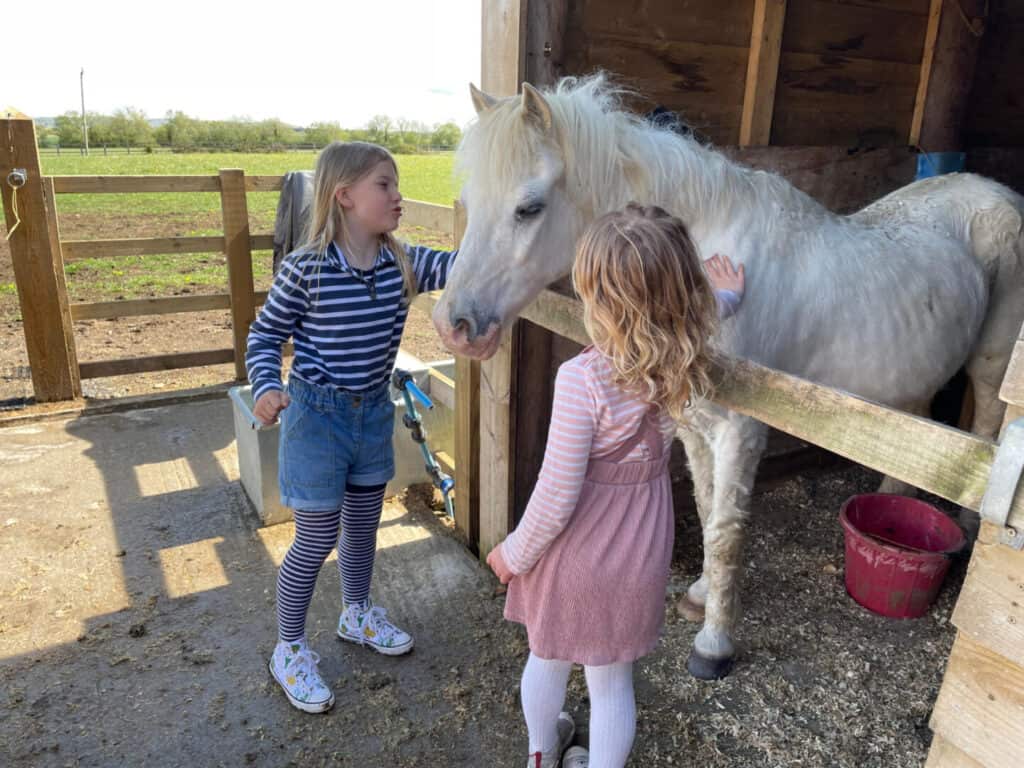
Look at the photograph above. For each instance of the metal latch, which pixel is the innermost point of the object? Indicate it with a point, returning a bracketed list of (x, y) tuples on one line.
[(1002, 484)]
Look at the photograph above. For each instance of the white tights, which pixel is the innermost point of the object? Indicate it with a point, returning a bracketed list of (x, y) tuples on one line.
[(612, 708)]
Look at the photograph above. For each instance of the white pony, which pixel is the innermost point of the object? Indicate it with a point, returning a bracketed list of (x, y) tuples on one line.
[(886, 303)]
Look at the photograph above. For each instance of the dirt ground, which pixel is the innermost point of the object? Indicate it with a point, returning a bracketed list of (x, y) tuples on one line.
[(148, 646)]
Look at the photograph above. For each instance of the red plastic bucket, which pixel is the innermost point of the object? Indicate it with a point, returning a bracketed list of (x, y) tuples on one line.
[(897, 552)]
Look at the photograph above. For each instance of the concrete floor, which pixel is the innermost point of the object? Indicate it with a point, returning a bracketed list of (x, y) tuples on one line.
[(137, 614)]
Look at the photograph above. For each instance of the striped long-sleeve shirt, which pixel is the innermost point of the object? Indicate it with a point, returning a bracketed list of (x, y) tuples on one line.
[(346, 323), (590, 418)]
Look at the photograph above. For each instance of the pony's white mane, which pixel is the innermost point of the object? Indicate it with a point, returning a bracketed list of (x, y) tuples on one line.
[(613, 156)]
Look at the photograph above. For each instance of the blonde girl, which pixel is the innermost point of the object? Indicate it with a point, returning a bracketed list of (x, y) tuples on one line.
[(588, 565), (343, 298)]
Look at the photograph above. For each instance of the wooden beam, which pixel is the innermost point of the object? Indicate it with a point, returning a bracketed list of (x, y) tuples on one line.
[(952, 41), (441, 389), (125, 184), (762, 72), (467, 430), (122, 366), (98, 310), (236, 240), (503, 67), (34, 241), (75, 250), (928, 455)]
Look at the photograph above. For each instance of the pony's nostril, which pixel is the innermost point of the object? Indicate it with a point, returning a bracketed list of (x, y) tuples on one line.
[(467, 325)]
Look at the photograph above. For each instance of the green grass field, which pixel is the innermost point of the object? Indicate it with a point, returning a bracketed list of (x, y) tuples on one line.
[(423, 177)]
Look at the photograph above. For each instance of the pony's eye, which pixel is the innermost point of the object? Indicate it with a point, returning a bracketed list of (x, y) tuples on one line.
[(524, 212)]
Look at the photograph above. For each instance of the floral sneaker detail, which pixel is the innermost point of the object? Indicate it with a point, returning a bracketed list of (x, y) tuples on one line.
[(293, 665), (369, 625)]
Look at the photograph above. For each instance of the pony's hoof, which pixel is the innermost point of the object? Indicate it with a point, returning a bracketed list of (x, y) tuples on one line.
[(690, 610), (708, 669)]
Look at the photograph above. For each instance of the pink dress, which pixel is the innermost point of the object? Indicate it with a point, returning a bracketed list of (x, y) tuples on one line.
[(593, 549)]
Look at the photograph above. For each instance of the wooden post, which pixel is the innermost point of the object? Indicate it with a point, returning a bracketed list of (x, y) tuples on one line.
[(236, 245), (952, 41), (503, 67), (762, 72), (38, 266), (545, 41), (467, 429), (1012, 390)]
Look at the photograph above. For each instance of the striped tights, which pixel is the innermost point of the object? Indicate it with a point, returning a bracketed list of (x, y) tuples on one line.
[(316, 534)]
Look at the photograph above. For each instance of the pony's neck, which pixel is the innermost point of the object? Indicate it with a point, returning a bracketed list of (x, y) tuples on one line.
[(705, 188)]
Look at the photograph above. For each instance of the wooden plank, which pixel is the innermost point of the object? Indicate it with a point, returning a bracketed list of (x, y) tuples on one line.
[(931, 456), (34, 241), (532, 394), (264, 183), (545, 41), (702, 82), (859, 31), (832, 100), (140, 246), (122, 366), (996, 114), (980, 707), (945, 755), (720, 22), (927, 64), (416, 213), (990, 608), (261, 242), (138, 307), (441, 389), (762, 72), (124, 184), (841, 179), (236, 240)]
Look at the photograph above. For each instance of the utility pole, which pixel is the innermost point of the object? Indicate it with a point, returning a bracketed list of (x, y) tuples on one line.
[(85, 125)]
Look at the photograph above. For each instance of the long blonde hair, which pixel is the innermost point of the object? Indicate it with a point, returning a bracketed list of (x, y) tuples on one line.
[(342, 164), (647, 305)]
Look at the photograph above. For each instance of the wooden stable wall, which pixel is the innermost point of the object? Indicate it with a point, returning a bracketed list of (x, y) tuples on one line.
[(853, 73)]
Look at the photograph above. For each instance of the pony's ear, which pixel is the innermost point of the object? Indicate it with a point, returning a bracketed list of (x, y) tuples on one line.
[(536, 108), (481, 101)]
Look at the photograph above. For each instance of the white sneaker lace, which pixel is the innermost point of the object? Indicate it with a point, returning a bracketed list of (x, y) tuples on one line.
[(307, 661), (377, 619)]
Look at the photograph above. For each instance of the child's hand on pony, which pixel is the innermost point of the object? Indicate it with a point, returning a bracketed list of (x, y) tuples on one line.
[(497, 563), (269, 405), (723, 276)]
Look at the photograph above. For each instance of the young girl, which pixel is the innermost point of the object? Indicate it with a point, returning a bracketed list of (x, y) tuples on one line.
[(343, 297), (588, 565)]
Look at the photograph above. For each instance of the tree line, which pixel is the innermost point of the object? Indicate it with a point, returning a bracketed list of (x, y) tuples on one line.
[(131, 128)]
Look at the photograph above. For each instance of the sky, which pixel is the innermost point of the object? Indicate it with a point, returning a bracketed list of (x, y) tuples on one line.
[(301, 61)]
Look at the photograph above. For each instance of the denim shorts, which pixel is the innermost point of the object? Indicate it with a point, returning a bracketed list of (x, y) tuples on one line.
[(331, 437)]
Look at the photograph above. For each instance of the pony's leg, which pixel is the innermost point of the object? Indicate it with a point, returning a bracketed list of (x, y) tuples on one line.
[(738, 444), (891, 484), (702, 466)]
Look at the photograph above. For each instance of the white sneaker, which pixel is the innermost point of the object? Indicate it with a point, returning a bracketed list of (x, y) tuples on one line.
[(293, 665), (566, 730), (577, 757), (370, 626)]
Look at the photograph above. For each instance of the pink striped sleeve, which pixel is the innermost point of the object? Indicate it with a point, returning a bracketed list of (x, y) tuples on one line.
[(573, 421)]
